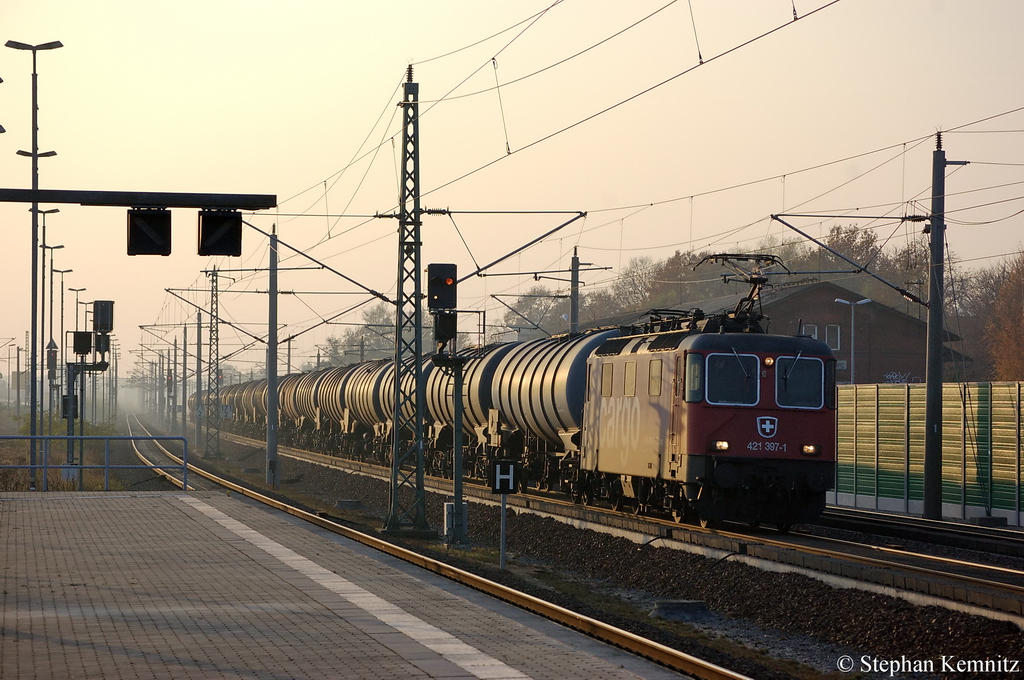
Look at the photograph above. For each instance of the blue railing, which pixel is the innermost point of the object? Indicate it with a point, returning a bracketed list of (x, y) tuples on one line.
[(75, 469)]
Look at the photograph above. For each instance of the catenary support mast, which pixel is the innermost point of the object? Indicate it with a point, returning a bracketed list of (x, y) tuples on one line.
[(936, 334), (408, 499)]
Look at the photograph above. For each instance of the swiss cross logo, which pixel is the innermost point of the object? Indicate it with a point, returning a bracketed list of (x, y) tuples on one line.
[(767, 426)]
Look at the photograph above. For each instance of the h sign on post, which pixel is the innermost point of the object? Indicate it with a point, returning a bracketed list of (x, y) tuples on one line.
[(504, 477)]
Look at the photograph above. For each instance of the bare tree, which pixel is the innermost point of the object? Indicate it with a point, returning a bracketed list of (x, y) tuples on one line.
[(374, 339), (633, 287), (1005, 341)]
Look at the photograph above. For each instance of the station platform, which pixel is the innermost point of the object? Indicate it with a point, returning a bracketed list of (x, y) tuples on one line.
[(206, 585)]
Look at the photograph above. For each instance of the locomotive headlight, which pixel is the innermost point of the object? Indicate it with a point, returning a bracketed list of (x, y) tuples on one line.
[(720, 445), (811, 450), (769, 361)]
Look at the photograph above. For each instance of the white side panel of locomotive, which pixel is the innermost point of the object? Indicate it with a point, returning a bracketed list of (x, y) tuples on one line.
[(628, 420)]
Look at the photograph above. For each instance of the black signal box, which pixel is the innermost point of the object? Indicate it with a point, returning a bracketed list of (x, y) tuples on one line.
[(220, 233), (149, 231), (102, 343), (65, 401), (445, 326), (103, 316), (82, 342)]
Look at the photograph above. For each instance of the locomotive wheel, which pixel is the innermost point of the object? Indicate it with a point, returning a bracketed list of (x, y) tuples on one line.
[(708, 523), (784, 528), (679, 515), (617, 503)]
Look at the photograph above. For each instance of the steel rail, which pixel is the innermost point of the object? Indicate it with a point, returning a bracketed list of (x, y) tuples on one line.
[(976, 533), (933, 558)]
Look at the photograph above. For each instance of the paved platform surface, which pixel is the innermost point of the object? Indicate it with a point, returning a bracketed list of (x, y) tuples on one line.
[(206, 585)]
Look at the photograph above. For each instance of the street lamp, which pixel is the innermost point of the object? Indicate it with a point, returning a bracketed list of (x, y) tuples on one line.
[(51, 249), (50, 348), (44, 246), (35, 155), (63, 339), (7, 344), (76, 291), (852, 305)]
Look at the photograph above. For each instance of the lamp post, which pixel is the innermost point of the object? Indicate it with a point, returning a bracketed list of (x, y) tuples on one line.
[(7, 344), (46, 247), (76, 291), (35, 155), (62, 355), (49, 348), (853, 306)]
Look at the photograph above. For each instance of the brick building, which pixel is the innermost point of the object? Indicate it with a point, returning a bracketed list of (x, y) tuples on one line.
[(887, 344)]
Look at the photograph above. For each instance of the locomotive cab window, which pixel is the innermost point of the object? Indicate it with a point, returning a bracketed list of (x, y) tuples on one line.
[(830, 384), (800, 382), (733, 379), (694, 391)]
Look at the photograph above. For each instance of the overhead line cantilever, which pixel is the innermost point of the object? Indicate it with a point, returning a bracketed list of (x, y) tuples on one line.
[(905, 293), (524, 247), (369, 290)]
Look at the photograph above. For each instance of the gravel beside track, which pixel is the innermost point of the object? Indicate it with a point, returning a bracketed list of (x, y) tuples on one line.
[(785, 615)]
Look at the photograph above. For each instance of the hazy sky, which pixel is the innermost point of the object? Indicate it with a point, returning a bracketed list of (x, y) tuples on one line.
[(834, 112)]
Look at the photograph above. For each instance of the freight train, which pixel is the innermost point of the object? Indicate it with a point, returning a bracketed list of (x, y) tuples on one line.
[(702, 417)]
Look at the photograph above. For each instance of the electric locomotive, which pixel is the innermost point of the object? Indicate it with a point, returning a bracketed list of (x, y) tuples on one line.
[(736, 426)]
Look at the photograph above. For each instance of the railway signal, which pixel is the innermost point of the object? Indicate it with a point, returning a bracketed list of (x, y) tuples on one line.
[(103, 316), (442, 299), (442, 285)]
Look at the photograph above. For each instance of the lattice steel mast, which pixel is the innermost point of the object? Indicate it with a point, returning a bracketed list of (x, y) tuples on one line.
[(213, 381), (408, 505)]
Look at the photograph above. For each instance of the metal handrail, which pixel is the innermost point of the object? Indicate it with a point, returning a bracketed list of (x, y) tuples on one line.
[(106, 466)]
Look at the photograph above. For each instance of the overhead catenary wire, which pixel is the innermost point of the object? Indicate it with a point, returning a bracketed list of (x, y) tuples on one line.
[(622, 102), (601, 112), (509, 151), (560, 62), (687, 197)]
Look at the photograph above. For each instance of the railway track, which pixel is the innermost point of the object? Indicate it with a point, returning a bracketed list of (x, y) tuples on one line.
[(994, 540), (662, 654), (979, 587)]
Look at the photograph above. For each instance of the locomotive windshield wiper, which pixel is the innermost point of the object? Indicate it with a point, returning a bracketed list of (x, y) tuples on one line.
[(785, 378), (740, 362)]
